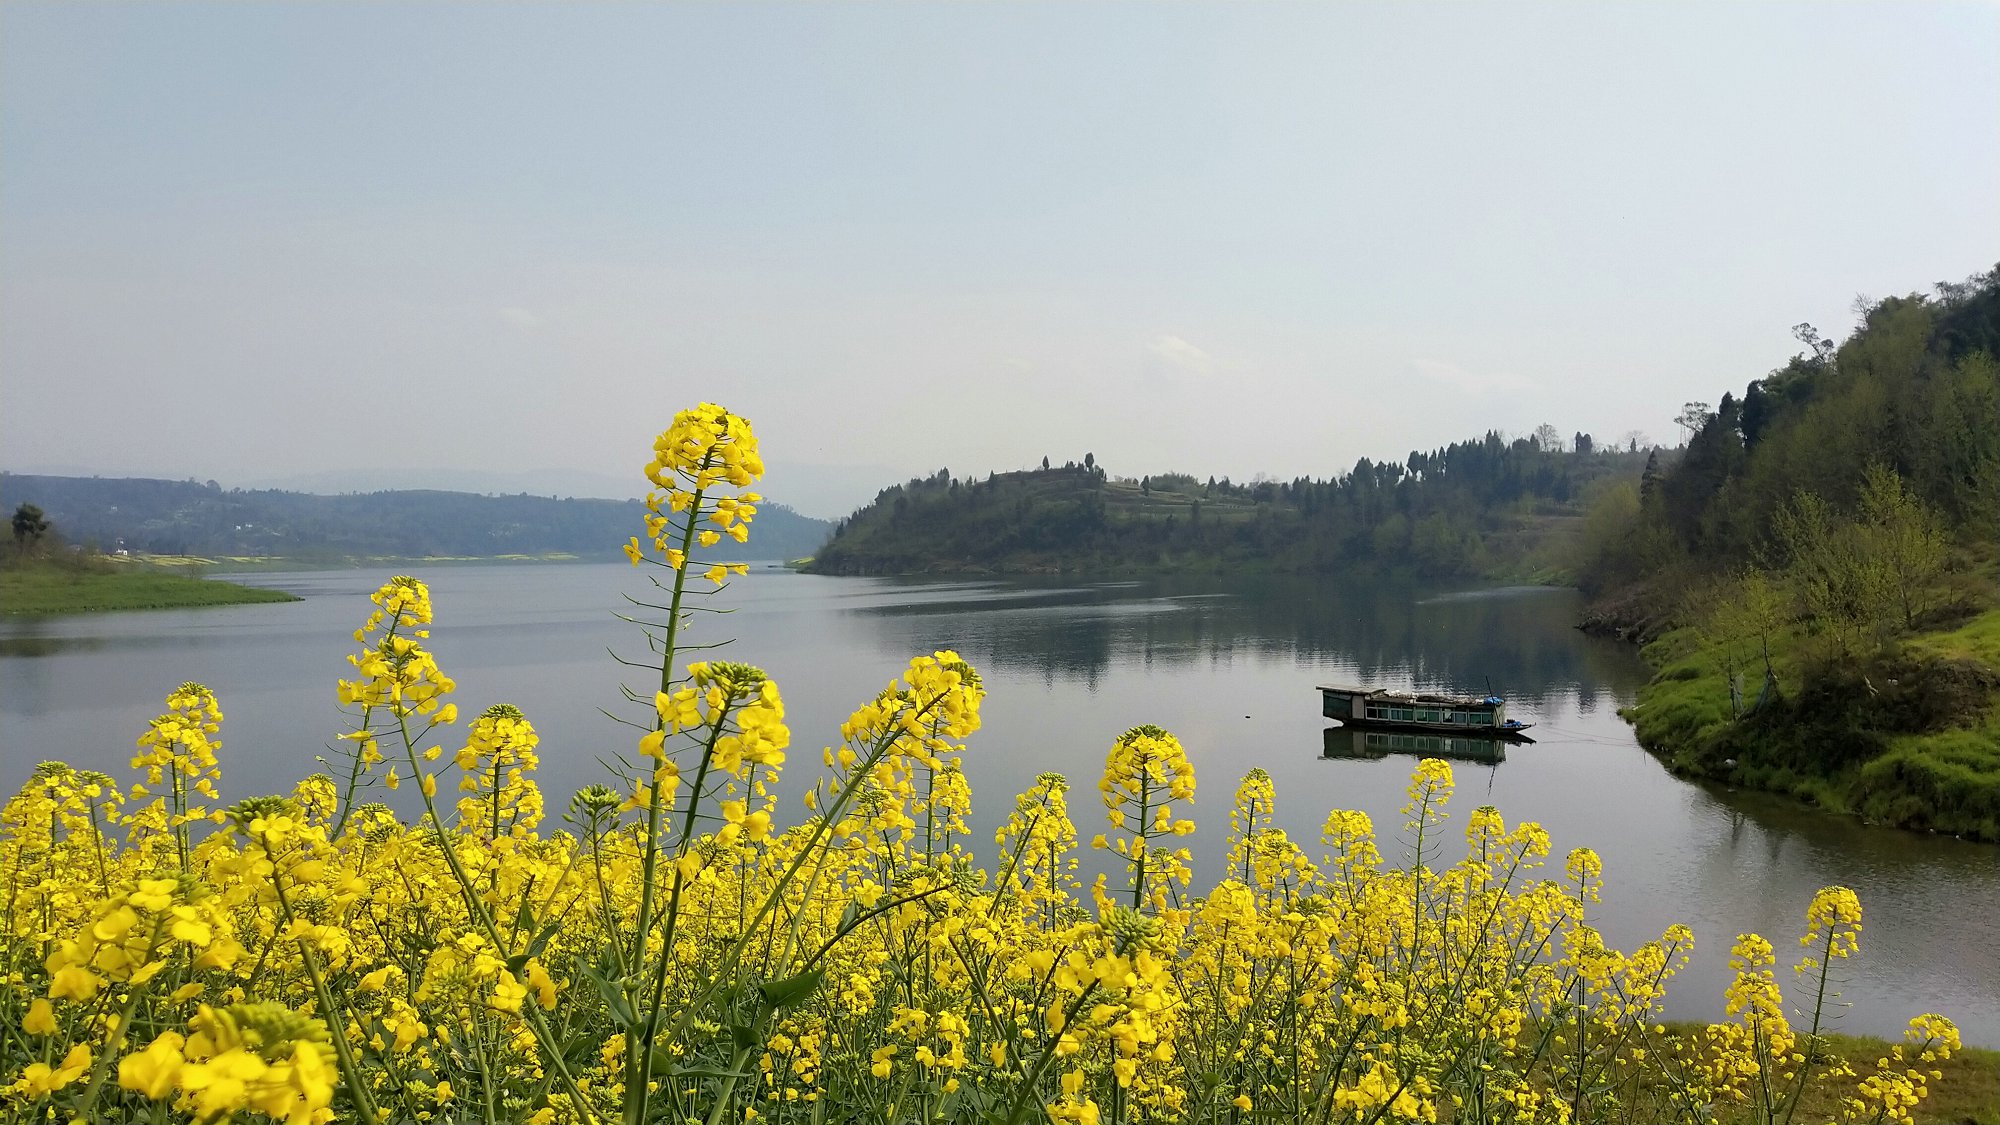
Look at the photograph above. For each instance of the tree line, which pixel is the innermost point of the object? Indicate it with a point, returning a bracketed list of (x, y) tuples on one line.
[(1912, 391), (1462, 509)]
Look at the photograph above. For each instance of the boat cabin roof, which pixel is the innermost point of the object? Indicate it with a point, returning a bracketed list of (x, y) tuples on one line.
[(1384, 694)]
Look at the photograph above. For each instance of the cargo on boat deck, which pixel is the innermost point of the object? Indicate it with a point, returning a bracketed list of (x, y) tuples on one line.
[(1483, 716)]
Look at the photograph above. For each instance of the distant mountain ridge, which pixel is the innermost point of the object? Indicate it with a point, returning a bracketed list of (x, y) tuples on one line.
[(187, 517), (806, 487)]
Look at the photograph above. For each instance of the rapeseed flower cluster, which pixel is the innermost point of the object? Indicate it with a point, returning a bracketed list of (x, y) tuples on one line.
[(1145, 778), (497, 765), (706, 452), (681, 948)]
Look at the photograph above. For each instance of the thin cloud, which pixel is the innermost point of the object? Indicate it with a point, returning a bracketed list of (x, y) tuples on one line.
[(1182, 356), (521, 318), (1471, 382)]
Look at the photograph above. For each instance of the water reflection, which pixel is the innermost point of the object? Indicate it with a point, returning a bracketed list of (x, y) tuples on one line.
[(1374, 745), (30, 645), (1518, 641)]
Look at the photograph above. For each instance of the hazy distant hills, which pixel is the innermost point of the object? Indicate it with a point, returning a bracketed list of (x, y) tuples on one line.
[(186, 517), (806, 487)]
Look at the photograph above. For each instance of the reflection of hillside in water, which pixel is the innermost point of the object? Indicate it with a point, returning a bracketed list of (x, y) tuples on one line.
[(1523, 640)]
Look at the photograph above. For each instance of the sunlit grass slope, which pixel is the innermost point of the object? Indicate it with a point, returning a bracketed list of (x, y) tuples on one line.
[(54, 590), (1909, 736)]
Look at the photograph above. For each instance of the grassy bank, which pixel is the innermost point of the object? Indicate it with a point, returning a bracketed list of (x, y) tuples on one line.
[(1905, 735), (50, 589), (325, 560), (1967, 1093)]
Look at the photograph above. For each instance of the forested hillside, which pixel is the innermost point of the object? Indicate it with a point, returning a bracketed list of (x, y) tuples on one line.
[(184, 517), (1471, 508), (1912, 390), (1820, 568)]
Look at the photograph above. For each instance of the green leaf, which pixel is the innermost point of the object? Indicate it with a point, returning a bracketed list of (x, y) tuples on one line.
[(662, 1065), (580, 1046), (782, 994), (614, 996), (519, 961)]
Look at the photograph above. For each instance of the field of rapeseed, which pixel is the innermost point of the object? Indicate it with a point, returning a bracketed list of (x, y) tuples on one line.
[(669, 946)]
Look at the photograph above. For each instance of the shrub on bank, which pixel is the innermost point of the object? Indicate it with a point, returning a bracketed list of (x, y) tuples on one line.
[(678, 951)]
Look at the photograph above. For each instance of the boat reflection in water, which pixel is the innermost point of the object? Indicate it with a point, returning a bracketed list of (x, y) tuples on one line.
[(1350, 742)]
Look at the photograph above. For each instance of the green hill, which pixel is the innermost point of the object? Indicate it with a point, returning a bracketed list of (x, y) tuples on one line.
[(1474, 508), (167, 517), (1819, 571)]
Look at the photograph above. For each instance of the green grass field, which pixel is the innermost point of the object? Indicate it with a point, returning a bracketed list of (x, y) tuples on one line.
[(237, 564), (1944, 778), (1968, 1094), (49, 589)]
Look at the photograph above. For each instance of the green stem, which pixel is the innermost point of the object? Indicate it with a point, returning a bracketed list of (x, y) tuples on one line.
[(476, 909), (640, 1053), (102, 1071), (1145, 834), (637, 1090), (354, 773), (180, 811), (1048, 1057), (736, 1061), (733, 956), (654, 811), (350, 1071), (1812, 1037)]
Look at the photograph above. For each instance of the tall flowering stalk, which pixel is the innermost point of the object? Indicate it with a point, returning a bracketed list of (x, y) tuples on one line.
[(1145, 776), (497, 765), (1038, 853), (177, 754), (704, 453), (396, 676)]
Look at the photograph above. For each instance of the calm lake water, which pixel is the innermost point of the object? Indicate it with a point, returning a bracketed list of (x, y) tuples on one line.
[(1228, 665)]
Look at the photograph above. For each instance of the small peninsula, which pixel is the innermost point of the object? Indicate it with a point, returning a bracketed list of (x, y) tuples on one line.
[(80, 587)]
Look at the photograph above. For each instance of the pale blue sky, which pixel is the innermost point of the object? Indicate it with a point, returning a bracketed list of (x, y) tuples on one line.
[(290, 242)]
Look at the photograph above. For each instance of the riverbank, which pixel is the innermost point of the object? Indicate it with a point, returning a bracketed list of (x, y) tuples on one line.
[(1965, 1089), (320, 560), (43, 590), (1906, 734)]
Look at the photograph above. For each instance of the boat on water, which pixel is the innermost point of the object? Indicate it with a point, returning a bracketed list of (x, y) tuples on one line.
[(1468, 716)]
